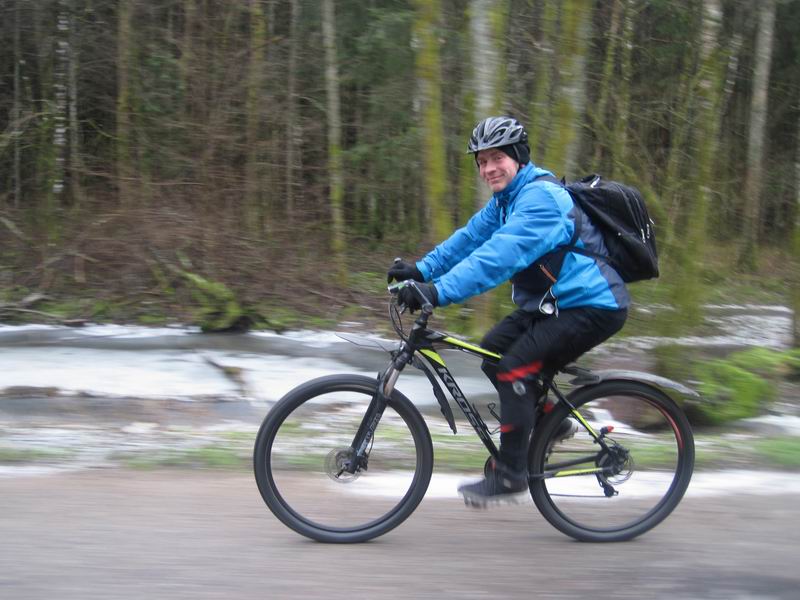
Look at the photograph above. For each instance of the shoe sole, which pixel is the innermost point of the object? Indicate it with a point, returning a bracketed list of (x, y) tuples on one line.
[(571, 434), (563, 438), (483, 502)]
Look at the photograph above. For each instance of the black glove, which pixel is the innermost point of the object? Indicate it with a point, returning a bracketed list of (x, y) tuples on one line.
[(401, 270), (409, 296)]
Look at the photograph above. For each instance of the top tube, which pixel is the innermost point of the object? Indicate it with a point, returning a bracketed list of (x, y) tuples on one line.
[(471, 348)]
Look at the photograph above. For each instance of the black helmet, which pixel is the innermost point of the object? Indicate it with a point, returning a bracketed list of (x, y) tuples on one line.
[(495, 132)]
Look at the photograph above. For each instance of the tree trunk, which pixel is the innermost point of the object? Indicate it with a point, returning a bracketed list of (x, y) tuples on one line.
[(540, 127), (577, 21), (755, 143), (707, 89), (16, 110), (486, 35), (429, 79), (619, 139), (599, 113), (335, 168), (560, 137), (292, 134), (486, 48), (185, 62), (795, 288), (60, 119), (254, 119), (673, 194), (75, 161), (124, 157)]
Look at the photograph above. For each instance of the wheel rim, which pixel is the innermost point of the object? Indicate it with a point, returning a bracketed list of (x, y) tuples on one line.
[(311, 447), (647, 458)]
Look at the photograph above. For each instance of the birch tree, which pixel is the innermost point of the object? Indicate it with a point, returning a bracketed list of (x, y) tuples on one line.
[(487, 28), (755, 141), (60, 74), (486, 43)]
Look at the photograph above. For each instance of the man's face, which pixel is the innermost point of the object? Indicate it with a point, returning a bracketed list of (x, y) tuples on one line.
[(497, 168)]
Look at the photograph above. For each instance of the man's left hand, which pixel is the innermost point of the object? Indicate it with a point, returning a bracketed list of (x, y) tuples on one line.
[(410, 297)]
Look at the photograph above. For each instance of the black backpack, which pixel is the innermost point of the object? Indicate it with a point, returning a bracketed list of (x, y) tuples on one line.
[(619, 213)]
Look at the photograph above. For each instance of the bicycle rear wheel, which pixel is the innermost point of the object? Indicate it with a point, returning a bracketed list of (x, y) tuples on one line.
[(646, 470), (306, 438)]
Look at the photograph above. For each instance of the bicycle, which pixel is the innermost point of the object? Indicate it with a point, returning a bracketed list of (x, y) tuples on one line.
[(347, 458)]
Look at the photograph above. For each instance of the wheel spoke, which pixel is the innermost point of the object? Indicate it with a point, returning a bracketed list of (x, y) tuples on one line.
[(645, 464), (303, 457)]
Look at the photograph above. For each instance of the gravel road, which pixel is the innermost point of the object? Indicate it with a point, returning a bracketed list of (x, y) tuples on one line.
[(119, 534)]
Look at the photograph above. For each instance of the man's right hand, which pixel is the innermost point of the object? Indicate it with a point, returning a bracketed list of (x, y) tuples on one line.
[(401, 270)]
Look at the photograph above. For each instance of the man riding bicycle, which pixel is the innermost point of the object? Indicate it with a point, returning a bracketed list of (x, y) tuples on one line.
[(568, 301)]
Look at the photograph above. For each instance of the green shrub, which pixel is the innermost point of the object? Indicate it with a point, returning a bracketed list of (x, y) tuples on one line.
[(784, 452), (793, 363), (730, 392), (739, 386), (218, 309), (675, 362), (763, 361)]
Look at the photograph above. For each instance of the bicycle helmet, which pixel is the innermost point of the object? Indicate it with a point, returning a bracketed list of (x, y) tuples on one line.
[(505, 133)]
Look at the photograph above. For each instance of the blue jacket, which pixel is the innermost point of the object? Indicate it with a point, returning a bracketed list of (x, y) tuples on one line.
[(519, 226)]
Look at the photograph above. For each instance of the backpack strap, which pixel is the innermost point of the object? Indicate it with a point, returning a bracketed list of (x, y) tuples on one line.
[(578, 213), (571, 246)]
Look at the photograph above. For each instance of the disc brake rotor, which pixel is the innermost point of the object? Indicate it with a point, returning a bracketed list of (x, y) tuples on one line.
[(622, 465), (336, 466)]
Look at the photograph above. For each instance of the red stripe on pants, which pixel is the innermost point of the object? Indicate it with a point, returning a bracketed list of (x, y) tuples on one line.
[(520, 372)]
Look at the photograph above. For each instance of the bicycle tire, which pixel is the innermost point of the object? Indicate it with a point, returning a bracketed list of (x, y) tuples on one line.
[(358, 390), (650, 426)]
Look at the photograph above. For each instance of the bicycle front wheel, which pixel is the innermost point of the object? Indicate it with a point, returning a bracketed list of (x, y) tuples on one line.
[(617, 493), (306, 439)]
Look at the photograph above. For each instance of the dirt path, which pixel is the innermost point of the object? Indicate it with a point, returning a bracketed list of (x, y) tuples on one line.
[(202, 534)]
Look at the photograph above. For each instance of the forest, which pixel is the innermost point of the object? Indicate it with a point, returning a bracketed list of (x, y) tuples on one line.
[(261, 162)]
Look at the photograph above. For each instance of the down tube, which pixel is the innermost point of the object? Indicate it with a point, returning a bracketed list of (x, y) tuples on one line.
[(440, 368)]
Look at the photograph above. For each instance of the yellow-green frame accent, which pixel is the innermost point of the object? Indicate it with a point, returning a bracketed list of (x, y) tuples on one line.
[(433, 355), (471, 347)]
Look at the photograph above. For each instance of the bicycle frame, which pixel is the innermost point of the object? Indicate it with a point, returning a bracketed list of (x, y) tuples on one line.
[(440, 368), (437, 365), (424, 342)]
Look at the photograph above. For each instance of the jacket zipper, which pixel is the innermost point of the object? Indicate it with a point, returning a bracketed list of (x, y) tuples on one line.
[(548, 274)]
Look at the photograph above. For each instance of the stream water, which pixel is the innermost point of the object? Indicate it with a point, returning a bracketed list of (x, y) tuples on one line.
[(88, 396)]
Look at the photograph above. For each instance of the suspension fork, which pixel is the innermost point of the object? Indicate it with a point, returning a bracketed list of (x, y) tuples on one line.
[(383, 392)]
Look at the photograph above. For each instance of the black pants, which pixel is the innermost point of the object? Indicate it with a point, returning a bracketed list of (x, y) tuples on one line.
[(534, 344)]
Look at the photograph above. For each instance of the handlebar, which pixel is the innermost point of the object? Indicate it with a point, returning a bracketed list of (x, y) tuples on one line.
[(426, 309)]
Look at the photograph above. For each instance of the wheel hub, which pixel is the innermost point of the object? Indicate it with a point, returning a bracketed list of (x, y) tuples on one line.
[(336, 463), (619, 460)]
